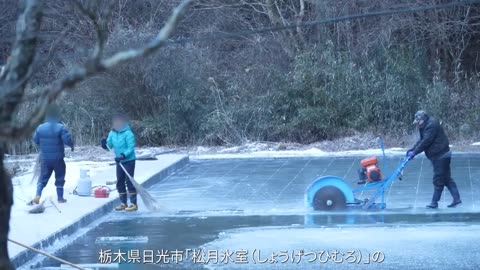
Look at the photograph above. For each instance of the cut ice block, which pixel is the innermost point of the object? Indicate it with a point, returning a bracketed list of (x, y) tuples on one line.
[(124, 239)]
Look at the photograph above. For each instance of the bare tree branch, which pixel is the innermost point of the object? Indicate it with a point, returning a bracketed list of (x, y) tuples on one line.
[(17, 70), (99, 29), (99, 22), (155, 44), (13, 80), (15, 132)]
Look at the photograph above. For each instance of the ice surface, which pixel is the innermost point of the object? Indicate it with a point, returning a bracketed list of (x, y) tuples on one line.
[(273, 188), (425, 247), (265, 186), (212, 232)]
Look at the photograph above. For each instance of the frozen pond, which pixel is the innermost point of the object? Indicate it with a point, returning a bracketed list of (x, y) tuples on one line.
[(249, 214), (267, 241), (259, 185)]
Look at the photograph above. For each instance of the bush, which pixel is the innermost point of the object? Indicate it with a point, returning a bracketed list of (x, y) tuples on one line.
[(323, 83)]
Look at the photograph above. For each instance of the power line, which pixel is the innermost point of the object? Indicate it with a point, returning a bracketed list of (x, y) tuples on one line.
[(240, 34)]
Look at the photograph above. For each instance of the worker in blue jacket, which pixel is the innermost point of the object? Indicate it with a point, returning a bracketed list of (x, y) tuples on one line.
[(51, 137), (122, 140)]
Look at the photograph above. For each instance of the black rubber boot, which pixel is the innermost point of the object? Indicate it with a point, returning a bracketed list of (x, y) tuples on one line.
[(432, 205), (437, 194), (452, 187)]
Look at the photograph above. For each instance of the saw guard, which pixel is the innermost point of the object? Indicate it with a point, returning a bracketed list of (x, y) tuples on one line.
[(328, 181)]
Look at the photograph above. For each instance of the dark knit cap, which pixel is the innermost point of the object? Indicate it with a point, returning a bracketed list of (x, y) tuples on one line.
[(419, 116)]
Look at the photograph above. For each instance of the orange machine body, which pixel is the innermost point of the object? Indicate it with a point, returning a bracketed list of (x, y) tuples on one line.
[(372, 170)]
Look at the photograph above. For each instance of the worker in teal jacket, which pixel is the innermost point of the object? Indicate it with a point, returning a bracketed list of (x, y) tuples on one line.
[(122, 140)]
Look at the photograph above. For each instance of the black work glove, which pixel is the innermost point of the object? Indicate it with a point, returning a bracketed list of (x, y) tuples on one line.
[(103, 143), (120, 158)]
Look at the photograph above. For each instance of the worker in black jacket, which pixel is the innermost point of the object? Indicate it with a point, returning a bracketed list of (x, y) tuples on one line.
[(434, 143)]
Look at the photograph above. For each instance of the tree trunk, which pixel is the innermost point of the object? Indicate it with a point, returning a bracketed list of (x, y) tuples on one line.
[(6, 202)]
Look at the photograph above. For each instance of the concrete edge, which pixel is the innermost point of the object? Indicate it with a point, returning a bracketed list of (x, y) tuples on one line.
[(27, 255)]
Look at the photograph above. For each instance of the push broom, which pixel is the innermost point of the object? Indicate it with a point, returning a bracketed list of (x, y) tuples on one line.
[(147, 199), (36, 169)]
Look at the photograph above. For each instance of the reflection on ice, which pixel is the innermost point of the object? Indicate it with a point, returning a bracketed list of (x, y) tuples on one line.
[(334, 248)]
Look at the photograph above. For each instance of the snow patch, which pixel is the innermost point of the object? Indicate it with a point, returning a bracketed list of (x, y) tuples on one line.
[(311, 152)]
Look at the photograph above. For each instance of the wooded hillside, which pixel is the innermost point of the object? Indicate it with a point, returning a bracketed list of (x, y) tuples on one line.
[(302, 84)]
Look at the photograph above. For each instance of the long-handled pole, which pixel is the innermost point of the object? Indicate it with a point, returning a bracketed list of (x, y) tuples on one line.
[(46, 254), (382, 146), (148, 200), (126, 172), (54, 205)]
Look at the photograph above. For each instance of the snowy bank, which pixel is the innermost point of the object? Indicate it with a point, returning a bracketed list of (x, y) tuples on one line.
[(312, 152), (30, 229)]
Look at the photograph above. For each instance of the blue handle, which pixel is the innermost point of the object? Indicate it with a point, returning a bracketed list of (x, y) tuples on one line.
[(405, 162), (382, 146)]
